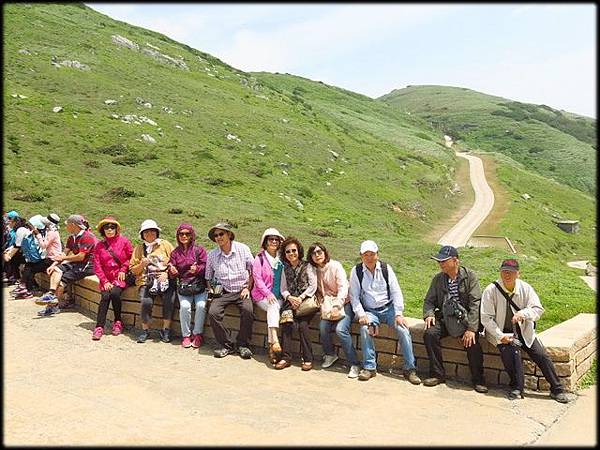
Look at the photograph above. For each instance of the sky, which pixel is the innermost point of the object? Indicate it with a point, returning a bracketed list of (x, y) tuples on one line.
[(534, 53)]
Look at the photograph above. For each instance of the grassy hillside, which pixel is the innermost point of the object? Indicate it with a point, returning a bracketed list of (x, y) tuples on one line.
[(256, 149), (556, 144)]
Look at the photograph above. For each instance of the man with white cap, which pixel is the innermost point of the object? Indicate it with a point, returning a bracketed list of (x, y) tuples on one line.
[(73, 265), (230, 264), (451, 307), (509, 309), (377, 299)]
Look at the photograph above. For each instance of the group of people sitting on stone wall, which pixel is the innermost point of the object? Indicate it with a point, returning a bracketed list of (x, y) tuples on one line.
[(291, 286)]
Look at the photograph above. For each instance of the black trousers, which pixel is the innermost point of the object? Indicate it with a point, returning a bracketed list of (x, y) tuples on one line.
[(432, 337), (513, 363), (11, 268), (106, 297), (301, 323), (31, 268), (216, 312)]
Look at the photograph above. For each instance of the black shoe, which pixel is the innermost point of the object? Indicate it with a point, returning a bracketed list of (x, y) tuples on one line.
[(481, 388), (560, 397), (165, 335), (245, 352), (143, 336), (221, 352), (514, 394), (433, 381)]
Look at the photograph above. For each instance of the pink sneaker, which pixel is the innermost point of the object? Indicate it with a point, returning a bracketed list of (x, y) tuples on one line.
[(98, 332), (117, 328), (197, 340), (186, 342)]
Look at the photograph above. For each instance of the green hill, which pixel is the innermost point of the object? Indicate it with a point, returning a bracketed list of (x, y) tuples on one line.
[(256, 149), (556, 144)]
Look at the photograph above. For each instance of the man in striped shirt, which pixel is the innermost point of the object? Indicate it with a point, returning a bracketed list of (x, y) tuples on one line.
[(230, 265), (451, 307)]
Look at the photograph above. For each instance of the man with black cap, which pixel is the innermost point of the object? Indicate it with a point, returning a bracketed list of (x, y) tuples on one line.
[(509, 309), (230, 265), (451, 307)]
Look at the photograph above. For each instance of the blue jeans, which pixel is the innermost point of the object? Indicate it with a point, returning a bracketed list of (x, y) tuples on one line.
[(185, 312), (342, 329), (386, 316)]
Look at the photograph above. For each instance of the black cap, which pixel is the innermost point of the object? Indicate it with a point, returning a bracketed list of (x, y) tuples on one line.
[(446, 252), (510, 264)]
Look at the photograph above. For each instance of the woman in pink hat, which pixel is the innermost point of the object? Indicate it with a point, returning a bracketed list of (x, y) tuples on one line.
[(111, 262)]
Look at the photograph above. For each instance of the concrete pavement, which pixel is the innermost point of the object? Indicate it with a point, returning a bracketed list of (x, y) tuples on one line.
[(62, 388)]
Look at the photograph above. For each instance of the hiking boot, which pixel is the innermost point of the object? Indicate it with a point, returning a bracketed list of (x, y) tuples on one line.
[(560, 397), (98, 332), (143, 336), (165, 335), (47, 299), (481, 388), (514, 394), (411, 375), (353, 373), (222, 352), (366, 374), (245, 352), (117, 328), (197, 340), (328, 361), (49, 311), (186, 342), (433, 381)]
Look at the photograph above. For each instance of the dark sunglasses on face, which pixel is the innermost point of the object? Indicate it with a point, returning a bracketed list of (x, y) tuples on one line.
[(318, 252), (291, 250), (110, 227), (184, 233), (219, 234)]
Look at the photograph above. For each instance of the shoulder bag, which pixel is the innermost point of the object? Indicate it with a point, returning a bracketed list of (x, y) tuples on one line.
[(330, 307), (196, 286)]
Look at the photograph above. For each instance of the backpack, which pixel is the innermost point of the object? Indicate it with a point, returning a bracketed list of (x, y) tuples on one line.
[(31, 249), (384, 270)]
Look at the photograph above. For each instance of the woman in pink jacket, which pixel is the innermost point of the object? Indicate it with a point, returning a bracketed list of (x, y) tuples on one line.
[(266, 271), (111, 261)]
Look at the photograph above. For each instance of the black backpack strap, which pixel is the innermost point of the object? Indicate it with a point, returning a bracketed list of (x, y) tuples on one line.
[(386, 276), (109, 250)]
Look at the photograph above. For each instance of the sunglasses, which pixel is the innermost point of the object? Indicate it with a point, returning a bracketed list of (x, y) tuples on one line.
[(110, 227), (184, 233), (318, 252), (291, 250), (219, 234)]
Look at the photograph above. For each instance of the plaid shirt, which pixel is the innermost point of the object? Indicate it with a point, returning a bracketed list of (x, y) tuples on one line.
[(232, 270)]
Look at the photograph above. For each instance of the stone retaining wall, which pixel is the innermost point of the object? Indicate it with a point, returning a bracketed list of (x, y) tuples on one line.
[(571, 344)]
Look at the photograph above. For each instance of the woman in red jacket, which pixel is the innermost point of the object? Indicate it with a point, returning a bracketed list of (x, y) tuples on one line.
[(111, 261)]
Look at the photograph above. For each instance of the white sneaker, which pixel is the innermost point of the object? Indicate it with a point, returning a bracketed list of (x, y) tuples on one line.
[(353, 371), (328, 361)]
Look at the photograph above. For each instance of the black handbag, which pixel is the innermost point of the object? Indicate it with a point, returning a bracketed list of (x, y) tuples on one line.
[(193, 288)]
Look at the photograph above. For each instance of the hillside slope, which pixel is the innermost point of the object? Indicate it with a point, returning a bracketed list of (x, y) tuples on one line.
[(553, 143)]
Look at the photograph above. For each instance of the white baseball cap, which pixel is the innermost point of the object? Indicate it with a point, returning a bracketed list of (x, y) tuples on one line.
[(368, 246)]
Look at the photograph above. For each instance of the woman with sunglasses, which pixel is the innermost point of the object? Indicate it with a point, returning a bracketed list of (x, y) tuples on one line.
[(187, 264), (111, 262), (266, 271), (332, 281), (298, 282)]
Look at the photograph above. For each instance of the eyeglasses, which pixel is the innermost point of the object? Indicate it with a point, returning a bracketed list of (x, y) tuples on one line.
[(110, 227), (184, 233), (291, 250), (219, 234), (318, 252)]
